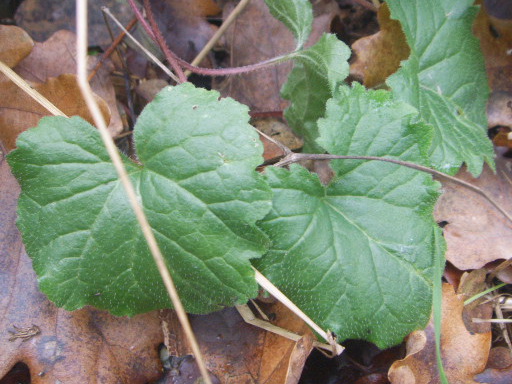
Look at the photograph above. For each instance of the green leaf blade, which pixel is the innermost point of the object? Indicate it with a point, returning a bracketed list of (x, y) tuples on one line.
[(317, 72), (445, 79), (197, 185), (362, 247), (296, 15)]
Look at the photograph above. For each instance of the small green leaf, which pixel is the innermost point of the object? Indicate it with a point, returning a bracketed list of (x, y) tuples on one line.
[(317, 72), (197, 185), (358, 254), (445, 79), (297, 15)]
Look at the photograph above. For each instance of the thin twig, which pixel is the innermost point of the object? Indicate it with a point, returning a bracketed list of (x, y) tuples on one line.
[(111, 49), (171, 58), (20, 82), (140, 46), (296, 157), (232, 17), (130, 191)]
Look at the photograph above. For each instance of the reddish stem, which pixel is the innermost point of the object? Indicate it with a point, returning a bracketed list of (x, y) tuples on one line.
[(141, 19), (170, 56)]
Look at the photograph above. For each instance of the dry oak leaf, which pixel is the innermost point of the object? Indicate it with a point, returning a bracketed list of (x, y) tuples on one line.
[(476, 233), (87, 346), (15, 45), (379, 55), (57, 56), (464, 353)]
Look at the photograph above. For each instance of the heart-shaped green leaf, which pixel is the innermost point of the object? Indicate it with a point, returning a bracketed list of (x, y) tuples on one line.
[(196, 183), (358, 254)]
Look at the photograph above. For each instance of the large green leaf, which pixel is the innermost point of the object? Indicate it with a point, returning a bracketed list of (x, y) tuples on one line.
[(296, 15), (445, 79), (357, 255), (317, 72), (197, 185)]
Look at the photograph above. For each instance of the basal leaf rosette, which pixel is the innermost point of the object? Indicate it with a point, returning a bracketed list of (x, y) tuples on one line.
[(196, 182), (358, 254)]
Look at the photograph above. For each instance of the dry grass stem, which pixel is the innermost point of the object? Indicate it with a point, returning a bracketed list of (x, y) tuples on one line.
[(16, 79), (140, 46), (130, 191)]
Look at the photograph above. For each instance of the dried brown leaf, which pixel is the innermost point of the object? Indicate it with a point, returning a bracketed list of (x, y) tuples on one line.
[(85, 346), (237, 352), (15, 45), (476, 232), (57, 56), (379, 55), (18, 111), (464, 354)]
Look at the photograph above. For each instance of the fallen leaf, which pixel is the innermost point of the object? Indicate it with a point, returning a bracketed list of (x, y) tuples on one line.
[(476, 233), (256, 36), (85, 346), (464, 353), (280, 132), (379, 55), (238, 352), (15, 44), (41, 65), (499, 367), (18, 111)]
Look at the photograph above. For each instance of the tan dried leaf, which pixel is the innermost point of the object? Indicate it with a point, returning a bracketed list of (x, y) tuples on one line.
[(464, 354), (379, 55), (237, 352), (15, 45), (18, 111), (476, 233)]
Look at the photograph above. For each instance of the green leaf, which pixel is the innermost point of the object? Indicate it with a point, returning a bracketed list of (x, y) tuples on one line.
[(197, 185), (445, 79), (317, 72), (297, 15), (357, 255)]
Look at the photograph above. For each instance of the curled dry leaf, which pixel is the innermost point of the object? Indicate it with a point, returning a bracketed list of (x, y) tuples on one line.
[(15, 44), (464, 353), (379, 55), (85, 346), (476, 233)]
